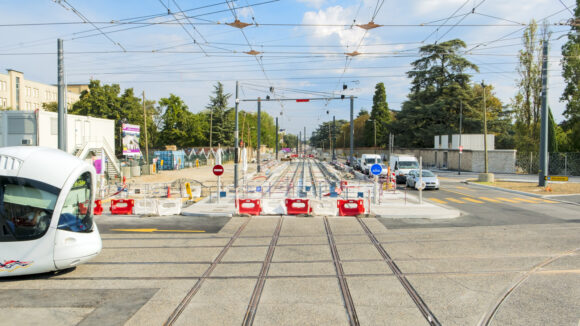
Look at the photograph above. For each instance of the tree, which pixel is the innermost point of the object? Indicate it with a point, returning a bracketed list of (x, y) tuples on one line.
[(180, 127), (322, 136), (221, 125), (440, 87), (527, 102), (50, 107), (380, 119), (571, 74)]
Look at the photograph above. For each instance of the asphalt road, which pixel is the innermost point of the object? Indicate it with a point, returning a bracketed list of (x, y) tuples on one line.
[(116, 224), (482, 206)]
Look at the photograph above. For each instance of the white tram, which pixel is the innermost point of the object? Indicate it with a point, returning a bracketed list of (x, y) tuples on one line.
[(46, 211)]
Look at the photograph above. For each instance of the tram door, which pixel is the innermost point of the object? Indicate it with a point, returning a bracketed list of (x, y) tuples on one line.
[(75, 240)]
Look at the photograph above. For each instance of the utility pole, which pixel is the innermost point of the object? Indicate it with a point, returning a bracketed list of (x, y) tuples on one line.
[(334, 138), (484, 127), (543, 172), (145, 131), (259, 133), (237, 143), (351, 159), (304, 143), (298, 150), (277, 138), (210, 125), (61, 99), (375, 128), (460, 130)]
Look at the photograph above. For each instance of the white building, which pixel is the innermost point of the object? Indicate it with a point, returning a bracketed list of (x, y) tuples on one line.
[(26, 95), (468, 142), (85, 135)]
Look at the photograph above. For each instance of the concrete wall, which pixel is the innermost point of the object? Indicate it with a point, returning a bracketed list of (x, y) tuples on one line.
[(499, 161), (17, 128), (473, 142)]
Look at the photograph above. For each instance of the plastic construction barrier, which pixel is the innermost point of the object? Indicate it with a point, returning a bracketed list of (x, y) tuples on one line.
[(350, 207), (145, 207), (168, 206), (98, 207), (122, 206), (298, 206), (249, 206)]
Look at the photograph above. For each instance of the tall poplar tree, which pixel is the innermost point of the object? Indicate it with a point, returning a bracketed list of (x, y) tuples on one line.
[(571, 74)]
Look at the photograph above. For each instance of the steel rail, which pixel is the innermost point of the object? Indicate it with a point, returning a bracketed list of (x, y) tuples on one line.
[(187, 299), (346, 296), (423, 308), (257, 293)]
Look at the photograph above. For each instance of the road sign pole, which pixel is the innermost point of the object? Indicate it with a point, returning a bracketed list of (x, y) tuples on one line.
[(420, 180), (218, 190)]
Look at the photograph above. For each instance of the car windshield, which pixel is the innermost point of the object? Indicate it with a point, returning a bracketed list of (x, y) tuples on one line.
[(427, 173), (408, 165), (26, 208), (370, 160)]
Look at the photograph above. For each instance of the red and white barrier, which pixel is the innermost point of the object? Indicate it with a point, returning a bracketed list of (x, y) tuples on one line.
[(350, 207), (298, 206)]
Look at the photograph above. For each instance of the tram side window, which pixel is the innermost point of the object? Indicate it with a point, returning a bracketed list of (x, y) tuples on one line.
[(76, 213), (25, 211)]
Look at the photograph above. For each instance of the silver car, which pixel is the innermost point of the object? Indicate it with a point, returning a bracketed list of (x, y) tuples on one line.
[(429, 179)]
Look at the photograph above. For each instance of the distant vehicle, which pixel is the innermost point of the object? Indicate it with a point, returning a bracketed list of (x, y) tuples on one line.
[(46, 211), (367, 160), (357, 164), (429, 178), (401, 165)]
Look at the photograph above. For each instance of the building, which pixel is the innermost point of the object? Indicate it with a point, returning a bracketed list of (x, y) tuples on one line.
[(26, 95), (87, 137)]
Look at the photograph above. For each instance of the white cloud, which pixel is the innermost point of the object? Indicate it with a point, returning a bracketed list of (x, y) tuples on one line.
[(335, 15)]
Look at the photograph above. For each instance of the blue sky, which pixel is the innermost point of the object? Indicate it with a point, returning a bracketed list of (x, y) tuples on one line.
[(302, 45)]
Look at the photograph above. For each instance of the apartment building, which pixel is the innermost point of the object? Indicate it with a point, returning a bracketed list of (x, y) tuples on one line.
[(26, 95)]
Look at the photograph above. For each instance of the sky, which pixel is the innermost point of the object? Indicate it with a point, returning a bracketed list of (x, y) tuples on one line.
[(293, 49)]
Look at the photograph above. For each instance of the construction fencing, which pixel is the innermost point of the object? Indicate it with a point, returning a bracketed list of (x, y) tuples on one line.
[(567, 164)]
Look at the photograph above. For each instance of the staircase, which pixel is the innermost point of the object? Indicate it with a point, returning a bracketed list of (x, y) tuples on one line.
[(113, 167)]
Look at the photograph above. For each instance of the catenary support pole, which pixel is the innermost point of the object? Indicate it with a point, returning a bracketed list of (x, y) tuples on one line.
[(277, 138), (333, 138), (351, 159), (259, 134), (61, 99), (484, 129), (460, 131), (544, 122), (236, 142), (145, 132)]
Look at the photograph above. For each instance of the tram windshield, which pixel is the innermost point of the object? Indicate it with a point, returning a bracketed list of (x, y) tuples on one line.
[(26, 208), (76, 213)]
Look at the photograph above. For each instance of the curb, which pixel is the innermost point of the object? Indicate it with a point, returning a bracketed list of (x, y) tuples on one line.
[(521, 193)]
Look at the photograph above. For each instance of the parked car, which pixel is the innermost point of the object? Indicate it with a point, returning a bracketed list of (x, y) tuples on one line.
[(429, 178)]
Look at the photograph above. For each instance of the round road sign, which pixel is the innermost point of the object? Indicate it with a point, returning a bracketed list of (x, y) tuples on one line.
[(218, 170), (376, 169)]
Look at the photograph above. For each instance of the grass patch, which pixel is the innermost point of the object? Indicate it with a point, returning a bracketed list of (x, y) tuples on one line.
[(552, 188)]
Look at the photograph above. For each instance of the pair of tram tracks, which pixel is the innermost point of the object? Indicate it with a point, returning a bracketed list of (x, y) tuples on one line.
[(423, 308), (193, 291)]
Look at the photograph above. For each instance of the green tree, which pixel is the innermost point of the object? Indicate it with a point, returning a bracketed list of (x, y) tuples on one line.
[(571, 74), (289, 141), (552, 127), (50, 107), (325, 133), (380, 119), (440, 88), (180, 127), (527, 102), (221, 122)]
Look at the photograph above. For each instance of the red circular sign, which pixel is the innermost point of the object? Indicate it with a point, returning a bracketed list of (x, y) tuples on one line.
[(218, 170)]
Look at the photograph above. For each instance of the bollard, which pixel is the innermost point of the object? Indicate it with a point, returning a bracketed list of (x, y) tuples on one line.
[(168, 191)]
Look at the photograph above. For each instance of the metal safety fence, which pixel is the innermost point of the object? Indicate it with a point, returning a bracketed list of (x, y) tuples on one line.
[(567, 164)]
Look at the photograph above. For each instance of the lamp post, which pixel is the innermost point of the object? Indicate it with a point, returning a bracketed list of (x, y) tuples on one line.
[(486, 176)]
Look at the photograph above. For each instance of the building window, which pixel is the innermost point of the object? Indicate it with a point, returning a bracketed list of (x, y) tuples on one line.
[(36, 92), (17, 86)]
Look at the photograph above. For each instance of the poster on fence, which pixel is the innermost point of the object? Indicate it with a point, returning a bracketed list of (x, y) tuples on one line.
[(130, 134)]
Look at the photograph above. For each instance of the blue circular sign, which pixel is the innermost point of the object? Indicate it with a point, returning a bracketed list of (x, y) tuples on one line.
[(376, 169)]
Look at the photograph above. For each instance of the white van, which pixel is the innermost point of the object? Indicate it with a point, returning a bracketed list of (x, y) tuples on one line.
[(368, 160), (401, 165)]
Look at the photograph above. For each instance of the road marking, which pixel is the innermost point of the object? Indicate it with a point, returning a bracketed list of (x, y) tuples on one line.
[(455, 200), (472, 200), (490, 200), (156, 230), (525, 200), (550, 201), (438, 200), (459, 187), (506, 200)]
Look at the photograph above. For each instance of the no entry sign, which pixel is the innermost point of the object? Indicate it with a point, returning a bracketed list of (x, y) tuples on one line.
[(218, 170)]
